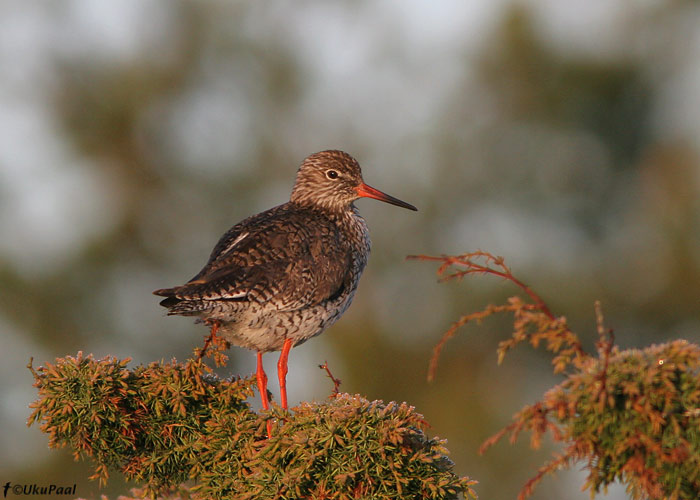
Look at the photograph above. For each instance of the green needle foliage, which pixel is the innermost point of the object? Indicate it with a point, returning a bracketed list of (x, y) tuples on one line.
[(642, 425), (631, 416), (348, 448), (167, 423)]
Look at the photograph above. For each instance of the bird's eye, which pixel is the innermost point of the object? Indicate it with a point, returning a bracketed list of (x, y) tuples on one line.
[(332, 174)]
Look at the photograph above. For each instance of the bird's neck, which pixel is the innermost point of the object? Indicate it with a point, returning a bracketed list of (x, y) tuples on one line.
[(333, 212), (347, 217)]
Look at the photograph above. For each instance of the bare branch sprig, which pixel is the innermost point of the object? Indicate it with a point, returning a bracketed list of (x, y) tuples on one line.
[(469, 263), (534, 321), (336, 381)]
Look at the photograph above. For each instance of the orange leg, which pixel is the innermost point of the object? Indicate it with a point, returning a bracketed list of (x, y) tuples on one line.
[(282, 371), (262, 388)]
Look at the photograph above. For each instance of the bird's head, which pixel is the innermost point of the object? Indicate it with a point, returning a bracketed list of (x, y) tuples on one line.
[(333, 179)]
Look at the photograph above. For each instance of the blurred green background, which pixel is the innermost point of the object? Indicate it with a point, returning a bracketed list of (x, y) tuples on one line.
[(563, 135)]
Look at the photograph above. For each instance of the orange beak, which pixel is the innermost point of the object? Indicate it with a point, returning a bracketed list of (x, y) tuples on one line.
[(365, 191)]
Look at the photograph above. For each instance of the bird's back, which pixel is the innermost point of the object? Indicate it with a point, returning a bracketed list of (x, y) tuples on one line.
[(292, 264)]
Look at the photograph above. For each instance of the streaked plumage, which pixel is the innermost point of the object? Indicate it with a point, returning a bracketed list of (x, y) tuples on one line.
[(284, 275)]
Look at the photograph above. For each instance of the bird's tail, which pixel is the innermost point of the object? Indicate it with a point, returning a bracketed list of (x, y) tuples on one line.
[(170, 300), (178, 306)]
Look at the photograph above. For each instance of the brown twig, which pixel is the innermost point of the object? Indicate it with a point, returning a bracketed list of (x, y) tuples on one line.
[(473, 267), (605, 347), (212, 335), (480, 262), (214, 346), (476, 316), (559, 461), (336, 381)]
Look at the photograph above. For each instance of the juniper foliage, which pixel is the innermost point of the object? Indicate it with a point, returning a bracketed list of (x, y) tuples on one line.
[(629, 415), (168, 423), (642, 426)]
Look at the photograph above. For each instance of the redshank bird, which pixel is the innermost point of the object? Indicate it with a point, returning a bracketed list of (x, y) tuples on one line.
[(283, 276)]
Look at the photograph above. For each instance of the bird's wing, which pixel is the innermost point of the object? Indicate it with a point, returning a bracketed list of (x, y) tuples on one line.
[(285, 261)]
